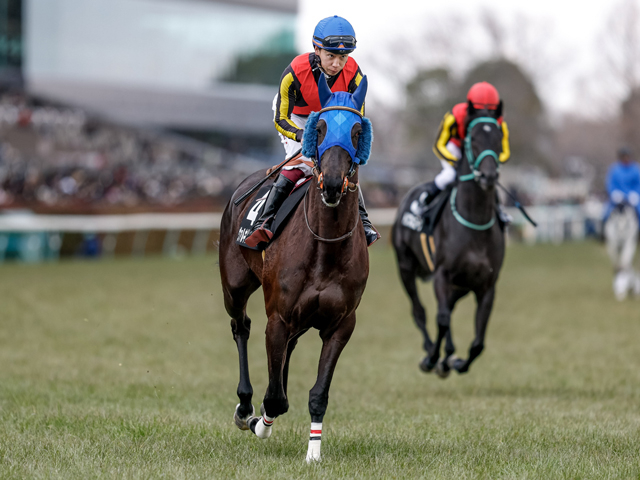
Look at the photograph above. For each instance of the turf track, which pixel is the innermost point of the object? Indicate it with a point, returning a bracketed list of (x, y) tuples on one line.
[(127, 369)]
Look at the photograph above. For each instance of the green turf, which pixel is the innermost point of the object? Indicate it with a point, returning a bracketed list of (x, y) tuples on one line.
[(127, 369)]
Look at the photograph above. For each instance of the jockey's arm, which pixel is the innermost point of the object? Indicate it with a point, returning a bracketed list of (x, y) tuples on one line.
[(506, 148), (446, 132), (285, 102)]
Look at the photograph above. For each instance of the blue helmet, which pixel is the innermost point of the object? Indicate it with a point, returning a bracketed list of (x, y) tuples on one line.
[(335, 34)]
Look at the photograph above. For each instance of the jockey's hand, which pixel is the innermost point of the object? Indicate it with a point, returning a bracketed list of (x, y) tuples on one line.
[(299, 135), (633, 198), (617, 196)]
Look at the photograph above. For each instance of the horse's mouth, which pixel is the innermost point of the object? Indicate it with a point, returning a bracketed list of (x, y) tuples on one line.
[(329, 204)]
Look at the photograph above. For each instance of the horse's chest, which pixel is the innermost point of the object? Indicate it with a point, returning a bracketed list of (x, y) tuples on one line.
[(473, 268), (321, 295)]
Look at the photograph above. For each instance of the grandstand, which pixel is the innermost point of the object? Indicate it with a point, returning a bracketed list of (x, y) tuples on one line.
[(152, 117)]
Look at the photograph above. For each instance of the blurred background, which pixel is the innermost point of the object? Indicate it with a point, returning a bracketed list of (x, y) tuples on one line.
[(125, 125)]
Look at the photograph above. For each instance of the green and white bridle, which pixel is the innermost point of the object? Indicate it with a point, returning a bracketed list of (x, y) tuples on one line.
[(475, 174)]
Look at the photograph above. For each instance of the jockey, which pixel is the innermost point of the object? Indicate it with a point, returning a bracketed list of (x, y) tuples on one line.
[(333, 40), (623, 182), (448, 146)]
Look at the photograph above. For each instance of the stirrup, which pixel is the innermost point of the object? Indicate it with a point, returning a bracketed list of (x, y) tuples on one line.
[(259, 235)]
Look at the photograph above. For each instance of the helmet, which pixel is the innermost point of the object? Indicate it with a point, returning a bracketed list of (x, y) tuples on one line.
[(624, 151), (484, 95), (335, 34)]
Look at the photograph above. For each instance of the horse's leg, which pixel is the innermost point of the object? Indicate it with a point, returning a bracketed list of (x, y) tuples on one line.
[(332, 344), (443, 368), (275, 399), (446, 297), (291, 345), (236, 302), (419, 313), (483, 311)]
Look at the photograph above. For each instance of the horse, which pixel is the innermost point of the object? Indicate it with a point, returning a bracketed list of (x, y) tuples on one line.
[(313, 274), (466, 251), (621, 235)]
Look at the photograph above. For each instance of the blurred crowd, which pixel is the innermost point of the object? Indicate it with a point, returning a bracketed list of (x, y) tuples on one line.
[(53, 156)]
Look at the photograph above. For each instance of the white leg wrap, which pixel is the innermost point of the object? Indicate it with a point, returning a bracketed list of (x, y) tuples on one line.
[(263, 427), (313, 452)]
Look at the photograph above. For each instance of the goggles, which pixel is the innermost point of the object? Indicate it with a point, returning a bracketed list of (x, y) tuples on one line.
[(336, 41)]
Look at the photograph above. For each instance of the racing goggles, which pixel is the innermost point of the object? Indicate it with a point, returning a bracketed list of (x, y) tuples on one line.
[(336, 42)]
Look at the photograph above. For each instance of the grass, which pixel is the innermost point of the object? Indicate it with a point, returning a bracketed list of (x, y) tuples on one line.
[(127, 369)]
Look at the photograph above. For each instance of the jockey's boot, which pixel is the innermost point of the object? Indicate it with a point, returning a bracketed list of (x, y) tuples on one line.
[(502, 214), (261, 231), (369, 231), (431, 191)]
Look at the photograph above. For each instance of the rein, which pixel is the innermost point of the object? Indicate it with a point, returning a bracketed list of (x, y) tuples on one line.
[(318, 237), (464, 222)]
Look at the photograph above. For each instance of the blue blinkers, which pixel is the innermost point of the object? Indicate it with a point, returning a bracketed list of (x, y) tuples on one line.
[(339, 122)]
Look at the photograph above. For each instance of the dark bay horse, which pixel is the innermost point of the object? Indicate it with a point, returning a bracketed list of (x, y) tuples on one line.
[(313, 274), (467, 245)]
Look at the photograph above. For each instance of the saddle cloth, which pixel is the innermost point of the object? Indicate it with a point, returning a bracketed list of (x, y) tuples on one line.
[(284, 213), (423, 219)]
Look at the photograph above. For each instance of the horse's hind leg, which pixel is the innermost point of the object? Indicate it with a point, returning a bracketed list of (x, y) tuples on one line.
[(483, 311), (238, 283), (332, 344), (418, 311)]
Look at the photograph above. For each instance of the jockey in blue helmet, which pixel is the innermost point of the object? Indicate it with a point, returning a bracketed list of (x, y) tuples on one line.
[(623, 182), (333, 40)]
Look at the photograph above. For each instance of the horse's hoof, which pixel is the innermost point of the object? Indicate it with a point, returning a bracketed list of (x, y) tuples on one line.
[(442, 369), (459, 365), (451, 359), (313, 458), (425, 366), (261, 429), (242, 422)]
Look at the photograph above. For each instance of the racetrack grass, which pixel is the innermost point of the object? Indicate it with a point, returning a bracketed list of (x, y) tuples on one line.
[(127, 369)]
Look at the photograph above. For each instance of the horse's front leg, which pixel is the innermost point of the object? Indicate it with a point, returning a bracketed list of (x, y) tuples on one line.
[(332, 344), (446, 296), (483, 311), (275, 400)]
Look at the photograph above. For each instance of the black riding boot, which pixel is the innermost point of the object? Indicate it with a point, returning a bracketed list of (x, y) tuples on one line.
[(369, 231), (504, 217), (261, 231), (432, 191)]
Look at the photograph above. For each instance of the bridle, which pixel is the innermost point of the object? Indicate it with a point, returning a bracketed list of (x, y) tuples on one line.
[(474, 163), (347, 186), (475, 174)]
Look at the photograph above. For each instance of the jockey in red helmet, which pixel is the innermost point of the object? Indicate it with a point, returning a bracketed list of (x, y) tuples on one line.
[(448, 145), (333, 40)]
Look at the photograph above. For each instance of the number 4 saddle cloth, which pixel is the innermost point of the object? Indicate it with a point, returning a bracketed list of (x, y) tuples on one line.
[(284, 213)]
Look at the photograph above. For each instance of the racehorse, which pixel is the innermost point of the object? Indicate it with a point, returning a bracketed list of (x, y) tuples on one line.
[(466, 251), (314, 274), (621, 234)]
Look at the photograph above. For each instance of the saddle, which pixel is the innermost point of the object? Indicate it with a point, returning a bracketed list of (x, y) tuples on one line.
[(284, 213), (423, 219)]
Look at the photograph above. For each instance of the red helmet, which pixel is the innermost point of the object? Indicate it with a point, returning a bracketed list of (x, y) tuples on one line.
[(484, 95)]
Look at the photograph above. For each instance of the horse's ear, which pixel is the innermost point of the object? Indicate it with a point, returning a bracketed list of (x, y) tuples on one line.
[(499, 110), (360, 93), (471, 110), (324, 91)]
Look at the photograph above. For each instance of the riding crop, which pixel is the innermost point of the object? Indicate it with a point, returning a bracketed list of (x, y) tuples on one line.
[(518, 205), (270, 172)]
